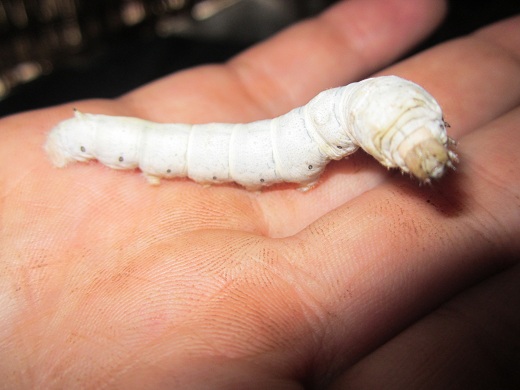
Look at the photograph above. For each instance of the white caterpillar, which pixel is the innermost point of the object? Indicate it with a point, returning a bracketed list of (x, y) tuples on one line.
[(394, 120)]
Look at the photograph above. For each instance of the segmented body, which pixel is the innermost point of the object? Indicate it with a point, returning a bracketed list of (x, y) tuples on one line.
[(394, 120)]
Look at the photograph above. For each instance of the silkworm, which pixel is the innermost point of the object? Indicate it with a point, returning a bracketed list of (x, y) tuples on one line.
[(394, 120)]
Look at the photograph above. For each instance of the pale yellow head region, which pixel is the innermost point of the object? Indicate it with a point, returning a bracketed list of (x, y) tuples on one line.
[(428, 159)]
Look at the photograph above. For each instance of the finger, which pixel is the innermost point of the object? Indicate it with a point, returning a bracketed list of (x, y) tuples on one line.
[(398, 251), (470, 342), (476, 79), (349, 40)]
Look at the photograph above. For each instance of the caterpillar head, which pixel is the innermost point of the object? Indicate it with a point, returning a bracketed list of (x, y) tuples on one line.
[(401, 125), (429, 158)]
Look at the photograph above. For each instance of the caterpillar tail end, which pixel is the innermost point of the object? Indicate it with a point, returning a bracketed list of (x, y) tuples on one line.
[(55, 152), (66, 143)]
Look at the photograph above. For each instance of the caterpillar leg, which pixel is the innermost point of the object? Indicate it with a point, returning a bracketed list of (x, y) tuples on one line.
[(152, 179), (308, 186)]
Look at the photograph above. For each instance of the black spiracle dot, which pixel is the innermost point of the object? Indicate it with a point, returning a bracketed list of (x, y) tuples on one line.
[(82, 148), (214, 178), (262, 180), (121, 159), (310, 167), (168, 171), (339, 146)]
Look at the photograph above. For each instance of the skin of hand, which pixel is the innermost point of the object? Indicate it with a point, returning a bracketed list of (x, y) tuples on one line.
[(367, 280)]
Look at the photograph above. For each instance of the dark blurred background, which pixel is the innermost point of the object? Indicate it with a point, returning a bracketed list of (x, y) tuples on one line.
[(54, 51)]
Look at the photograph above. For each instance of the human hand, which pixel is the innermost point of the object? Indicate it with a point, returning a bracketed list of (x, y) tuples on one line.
[(109, 282)]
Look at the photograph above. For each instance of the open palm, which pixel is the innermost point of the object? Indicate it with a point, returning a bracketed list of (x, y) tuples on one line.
[(109, 282)]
